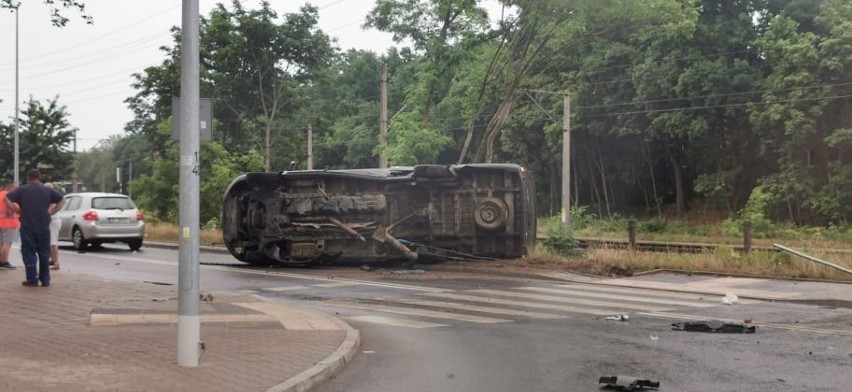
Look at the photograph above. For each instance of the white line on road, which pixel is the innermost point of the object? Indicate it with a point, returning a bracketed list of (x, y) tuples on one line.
[(476, 308), (279, 274), (395, 322), (416, 312), (620, 297), (508, 302), (619, 305)]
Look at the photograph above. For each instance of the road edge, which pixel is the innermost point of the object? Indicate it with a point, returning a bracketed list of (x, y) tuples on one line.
[(328, 367)]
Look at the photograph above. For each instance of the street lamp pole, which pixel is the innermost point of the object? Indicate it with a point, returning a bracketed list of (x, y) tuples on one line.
[(17, 143)]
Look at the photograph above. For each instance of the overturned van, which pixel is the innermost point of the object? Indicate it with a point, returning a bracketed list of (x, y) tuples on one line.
[(471, 211)]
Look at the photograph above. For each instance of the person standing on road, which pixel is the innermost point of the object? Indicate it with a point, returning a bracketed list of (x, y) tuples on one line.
[(36, 203), (55, 225), (8, 228)]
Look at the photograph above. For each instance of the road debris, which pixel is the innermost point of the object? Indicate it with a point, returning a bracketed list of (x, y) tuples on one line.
[(619, 317), (654, 337), (628, 383), (713, 326), (730, 299)]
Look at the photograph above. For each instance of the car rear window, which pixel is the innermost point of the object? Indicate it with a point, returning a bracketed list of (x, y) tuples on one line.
[(112, 203)]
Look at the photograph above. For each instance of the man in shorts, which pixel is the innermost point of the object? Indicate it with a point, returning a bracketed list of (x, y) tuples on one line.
[(55, 225), (9, 225)]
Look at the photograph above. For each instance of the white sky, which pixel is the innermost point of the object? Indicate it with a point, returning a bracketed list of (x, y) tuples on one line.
[(89, 66)]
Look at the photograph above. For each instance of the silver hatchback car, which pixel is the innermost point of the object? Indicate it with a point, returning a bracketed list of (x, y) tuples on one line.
[(95, 217)]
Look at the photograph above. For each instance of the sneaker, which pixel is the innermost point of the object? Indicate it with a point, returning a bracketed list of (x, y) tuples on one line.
[(29, 284), (6, 265)]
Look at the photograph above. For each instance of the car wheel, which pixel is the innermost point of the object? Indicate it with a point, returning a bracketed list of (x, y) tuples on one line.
[(134, 244), (78, 239)]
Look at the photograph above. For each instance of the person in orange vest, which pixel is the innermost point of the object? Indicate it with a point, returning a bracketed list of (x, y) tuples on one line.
[(9, 225)]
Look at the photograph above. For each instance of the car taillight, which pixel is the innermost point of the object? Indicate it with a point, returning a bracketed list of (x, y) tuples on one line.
[(139, 216), (90, 216)]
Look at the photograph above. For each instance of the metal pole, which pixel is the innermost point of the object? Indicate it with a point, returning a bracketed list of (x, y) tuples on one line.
[(17, 143), (310, 147), (383, 120), (74, 177), (566, 162), (811, 258), (189, 320)]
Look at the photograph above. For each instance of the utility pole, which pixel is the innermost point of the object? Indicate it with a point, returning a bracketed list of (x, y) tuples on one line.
[(74, 176), (310, 147), (17, 165), (129, 176), (566, 162), (383, 121), (189, 319)]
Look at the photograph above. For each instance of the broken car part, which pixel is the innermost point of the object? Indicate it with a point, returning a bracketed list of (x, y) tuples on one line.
[(713, 326), (628, 383)]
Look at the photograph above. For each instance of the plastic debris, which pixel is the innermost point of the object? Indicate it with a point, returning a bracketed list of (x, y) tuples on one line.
[(713, 326), (628, 383), (730, 299), (619, 317)]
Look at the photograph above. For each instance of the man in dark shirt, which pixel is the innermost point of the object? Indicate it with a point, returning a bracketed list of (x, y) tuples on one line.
[(36, 203)]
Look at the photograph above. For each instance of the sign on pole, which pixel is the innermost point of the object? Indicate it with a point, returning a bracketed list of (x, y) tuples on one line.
[(205, 120)]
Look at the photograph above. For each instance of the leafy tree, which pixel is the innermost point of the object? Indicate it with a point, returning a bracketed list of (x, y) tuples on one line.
[(157, 193), (45, 139)]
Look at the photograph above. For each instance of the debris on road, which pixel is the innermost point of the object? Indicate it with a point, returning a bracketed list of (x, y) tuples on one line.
[(713, 326), (730, 299), (619, 317), (627, 383)]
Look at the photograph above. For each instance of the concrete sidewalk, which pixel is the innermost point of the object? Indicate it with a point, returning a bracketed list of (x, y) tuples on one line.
[(87, 334)]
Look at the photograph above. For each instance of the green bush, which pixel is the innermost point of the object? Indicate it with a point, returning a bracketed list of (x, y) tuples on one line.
[(655, 225)]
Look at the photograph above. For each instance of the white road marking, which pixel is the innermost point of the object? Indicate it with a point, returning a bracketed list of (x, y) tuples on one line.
[(395, 322), (476, 308), (336, 285), (619, 297), (277, 274), (285, 288), (498, 301), (615, 305), (642, 292), (417, 312), (719, 288)]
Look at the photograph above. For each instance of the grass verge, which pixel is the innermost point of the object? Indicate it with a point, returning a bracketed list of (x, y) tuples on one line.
[(166, 232)]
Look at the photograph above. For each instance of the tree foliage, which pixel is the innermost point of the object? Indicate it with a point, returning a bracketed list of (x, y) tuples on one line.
[(44, 141), (737, 105)]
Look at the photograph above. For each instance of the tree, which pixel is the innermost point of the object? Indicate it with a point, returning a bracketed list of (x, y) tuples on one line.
[(45, 140)]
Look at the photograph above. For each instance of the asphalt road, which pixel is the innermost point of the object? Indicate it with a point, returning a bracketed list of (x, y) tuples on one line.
[(440, 331)]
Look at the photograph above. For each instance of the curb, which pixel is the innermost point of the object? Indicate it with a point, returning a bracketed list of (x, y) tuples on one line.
[(328, 367), (204, 248)]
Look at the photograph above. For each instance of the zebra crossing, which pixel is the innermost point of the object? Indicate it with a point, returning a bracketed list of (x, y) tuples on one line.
[(441, 308)]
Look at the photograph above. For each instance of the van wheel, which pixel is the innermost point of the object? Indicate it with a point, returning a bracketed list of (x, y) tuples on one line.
[(78, 239)]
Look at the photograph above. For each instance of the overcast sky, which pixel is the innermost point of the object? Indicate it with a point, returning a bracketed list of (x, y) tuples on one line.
[(89, 66)]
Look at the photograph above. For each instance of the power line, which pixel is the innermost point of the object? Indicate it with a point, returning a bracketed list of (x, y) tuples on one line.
[(89, 41)]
